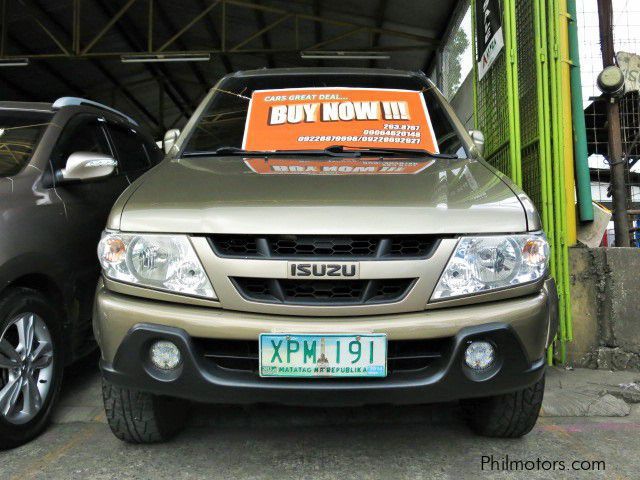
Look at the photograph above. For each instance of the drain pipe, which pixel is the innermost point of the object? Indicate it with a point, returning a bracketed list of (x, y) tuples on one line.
[(583, 179)]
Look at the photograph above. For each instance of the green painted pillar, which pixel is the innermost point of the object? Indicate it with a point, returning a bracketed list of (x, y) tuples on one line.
[(583, 179)]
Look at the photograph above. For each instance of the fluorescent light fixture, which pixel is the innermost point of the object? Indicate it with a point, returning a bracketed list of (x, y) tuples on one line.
[(344, 55), (14, 62), (165, 57)]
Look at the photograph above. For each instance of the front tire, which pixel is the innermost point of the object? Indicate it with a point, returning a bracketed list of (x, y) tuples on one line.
[(141, 417), (510, 415), (31, 365)]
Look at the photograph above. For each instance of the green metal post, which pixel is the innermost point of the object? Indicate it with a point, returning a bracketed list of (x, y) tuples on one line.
[(511, 57), (558, 165), (567, 195), (544, 116), (583, 179), (542, 84)]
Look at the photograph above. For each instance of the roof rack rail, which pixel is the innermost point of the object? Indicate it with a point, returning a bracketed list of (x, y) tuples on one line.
[(69, 101)]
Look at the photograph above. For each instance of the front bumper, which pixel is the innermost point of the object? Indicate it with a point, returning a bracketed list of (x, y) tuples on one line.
[(196, 380), (521, 328)]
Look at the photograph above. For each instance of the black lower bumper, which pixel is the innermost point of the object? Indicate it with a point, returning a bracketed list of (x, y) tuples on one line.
[(199, 380)]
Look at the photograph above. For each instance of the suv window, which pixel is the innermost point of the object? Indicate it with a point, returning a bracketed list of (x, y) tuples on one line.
[(132, 153), (20, 133), (83, 133), (223, 120)]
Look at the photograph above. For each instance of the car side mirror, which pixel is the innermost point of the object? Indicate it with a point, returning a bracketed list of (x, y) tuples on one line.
[(478, 140), (83, 166), (170, 139)]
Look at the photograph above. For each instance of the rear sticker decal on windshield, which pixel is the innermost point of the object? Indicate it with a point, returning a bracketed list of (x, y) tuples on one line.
[(362, 166), (315, 118)]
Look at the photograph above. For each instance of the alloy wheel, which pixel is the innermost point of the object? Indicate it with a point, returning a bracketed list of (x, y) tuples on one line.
[(26, 368)]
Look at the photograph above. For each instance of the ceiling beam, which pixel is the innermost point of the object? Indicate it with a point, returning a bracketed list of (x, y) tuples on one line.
[(112, 21), (39, 18), (422, 41), (317, 27), (375, 40), (243, 51), (19, 89), (266, 40), (335, 38), (185, 104), (60, 31), (217, 40), (271, 26), (190, 24), (168, 23), (64, 34), (428, 40), (68, 84)]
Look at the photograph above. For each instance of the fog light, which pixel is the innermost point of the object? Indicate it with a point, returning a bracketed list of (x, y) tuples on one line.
[(165, 355), (479, 355)]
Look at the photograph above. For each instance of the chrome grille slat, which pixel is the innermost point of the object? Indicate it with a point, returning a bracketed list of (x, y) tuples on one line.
[(322, 292), (324, 246)]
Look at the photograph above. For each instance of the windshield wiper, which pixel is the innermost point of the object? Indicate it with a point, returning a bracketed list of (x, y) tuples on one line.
[(232, 151), (332, 151)]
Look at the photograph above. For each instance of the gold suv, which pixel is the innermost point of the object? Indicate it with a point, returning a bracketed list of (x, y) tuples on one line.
[(323, 237)]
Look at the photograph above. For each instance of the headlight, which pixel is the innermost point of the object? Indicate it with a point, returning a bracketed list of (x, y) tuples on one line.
[(165, 262), (481, 264)]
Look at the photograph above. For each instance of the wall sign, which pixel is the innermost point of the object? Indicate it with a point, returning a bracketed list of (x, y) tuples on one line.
[(489, 38), (629, 63), (315, 118)]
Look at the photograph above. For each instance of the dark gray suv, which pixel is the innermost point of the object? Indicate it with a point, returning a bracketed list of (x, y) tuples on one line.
[(62, 166)]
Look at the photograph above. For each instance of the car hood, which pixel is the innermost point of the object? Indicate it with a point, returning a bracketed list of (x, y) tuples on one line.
[(317, 195)]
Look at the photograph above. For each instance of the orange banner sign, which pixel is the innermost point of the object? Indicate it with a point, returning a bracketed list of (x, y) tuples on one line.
[(315, 118), (362, 166)]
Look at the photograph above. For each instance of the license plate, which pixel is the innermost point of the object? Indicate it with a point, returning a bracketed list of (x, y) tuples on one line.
[(302, 355)]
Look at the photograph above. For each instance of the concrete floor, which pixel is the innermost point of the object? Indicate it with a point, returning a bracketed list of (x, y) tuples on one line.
[(267, 442)]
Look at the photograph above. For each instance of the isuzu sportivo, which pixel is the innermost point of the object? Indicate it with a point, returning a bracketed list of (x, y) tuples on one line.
[(323, 237)]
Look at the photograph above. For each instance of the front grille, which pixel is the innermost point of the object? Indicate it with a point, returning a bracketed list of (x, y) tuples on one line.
[(239, 355), (402, 355), (332, 290), (315, 247), (323, 292), (323, 247), (237, 245), (413, 246)]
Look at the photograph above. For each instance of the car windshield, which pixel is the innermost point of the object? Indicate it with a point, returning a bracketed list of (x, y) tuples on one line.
[(222, 124), (20, 132)]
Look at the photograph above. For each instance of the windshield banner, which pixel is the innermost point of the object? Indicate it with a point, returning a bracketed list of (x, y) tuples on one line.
[(315, 118)]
